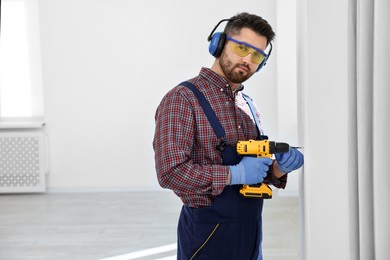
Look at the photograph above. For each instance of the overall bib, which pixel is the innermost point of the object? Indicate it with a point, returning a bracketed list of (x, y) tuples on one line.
[(231, 227)]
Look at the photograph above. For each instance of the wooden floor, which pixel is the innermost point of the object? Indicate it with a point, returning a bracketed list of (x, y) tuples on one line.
[(91, 226)]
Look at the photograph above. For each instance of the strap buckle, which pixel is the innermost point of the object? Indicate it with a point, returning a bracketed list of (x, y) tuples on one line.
[(222, 144)]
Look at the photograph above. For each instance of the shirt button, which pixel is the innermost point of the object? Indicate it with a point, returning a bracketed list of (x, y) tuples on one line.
[(227, 102), (239, 127), (221, 89)]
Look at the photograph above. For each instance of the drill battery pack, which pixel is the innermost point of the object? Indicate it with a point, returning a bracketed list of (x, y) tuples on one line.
[(261, 190)]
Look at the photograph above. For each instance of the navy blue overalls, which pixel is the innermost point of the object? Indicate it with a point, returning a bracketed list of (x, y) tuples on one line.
[(231, 227)]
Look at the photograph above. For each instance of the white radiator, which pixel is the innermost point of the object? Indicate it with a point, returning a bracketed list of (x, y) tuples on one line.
[(23, 163)]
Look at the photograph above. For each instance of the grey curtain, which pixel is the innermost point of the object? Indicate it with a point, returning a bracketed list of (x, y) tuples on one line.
[(344, 110), (381, 129), (372, 59)]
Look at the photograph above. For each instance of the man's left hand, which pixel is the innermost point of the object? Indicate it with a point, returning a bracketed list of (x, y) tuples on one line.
[(289, 161)]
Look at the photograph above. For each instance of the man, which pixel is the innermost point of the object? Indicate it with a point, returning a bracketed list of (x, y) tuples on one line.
[(198, 124)]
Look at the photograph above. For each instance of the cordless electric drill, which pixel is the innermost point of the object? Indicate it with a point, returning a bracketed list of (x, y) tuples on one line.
[(259, 148)]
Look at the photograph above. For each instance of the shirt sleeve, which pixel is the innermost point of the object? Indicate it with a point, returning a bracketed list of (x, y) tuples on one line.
[(174, 143), (271, 179)]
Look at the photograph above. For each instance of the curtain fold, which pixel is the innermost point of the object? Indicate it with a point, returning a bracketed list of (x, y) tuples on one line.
[(364, 42), (373, 125), (381, 123)]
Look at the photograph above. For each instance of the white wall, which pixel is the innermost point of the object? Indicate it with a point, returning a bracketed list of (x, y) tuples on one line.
[(327, 102), (107, 64), (287, 100)]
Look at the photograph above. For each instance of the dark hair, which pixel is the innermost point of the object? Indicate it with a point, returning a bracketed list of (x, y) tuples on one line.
[(251, 21)]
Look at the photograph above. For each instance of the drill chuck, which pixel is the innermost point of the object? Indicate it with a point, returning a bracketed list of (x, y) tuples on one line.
[(276, 147)]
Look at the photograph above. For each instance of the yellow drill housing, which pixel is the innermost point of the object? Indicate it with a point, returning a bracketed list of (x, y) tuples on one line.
[(259, 148)]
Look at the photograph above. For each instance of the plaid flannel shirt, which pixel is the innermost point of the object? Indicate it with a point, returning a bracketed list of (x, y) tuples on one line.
[(186, 157)]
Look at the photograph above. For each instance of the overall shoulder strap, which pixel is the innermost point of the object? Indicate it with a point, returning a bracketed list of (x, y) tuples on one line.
[(253, 110), (209, 112)]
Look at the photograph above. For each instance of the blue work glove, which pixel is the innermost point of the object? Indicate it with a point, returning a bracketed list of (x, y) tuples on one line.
[(289, 161), (251, 170)]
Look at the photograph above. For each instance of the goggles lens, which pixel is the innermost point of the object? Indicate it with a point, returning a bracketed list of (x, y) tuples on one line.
[(242, 49)]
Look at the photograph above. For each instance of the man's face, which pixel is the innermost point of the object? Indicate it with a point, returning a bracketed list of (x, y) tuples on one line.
[(238, 69)]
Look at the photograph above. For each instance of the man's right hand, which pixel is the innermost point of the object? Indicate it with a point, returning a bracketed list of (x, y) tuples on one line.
[(251, 170)]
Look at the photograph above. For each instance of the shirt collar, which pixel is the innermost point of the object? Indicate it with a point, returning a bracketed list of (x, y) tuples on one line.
[(217, 80)]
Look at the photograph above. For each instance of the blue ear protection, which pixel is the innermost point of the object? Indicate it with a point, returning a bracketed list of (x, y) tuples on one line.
[(218, 41)]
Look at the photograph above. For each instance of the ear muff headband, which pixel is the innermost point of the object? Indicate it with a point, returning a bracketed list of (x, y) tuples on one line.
[(217, 40)]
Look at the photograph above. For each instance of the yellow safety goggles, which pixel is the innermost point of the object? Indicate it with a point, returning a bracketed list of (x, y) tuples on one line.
[(242, 49)]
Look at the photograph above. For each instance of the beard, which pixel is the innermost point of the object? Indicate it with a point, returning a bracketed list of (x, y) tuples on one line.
[(228, 69)]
